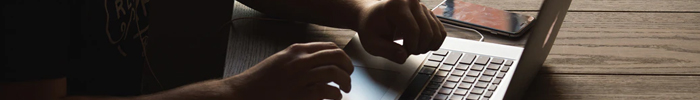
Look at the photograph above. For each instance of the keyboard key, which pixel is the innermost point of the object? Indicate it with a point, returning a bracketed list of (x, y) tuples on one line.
[(473, 97), (473, 73), (433, 86), (453, 78), (438, 79), (482, 60), (465, 85), (505, 68), (490, 72), (488, 93), (442, 73), (469, 79), (477, 67), (431, 64), (424, 97), (417, 84), (427, 70), (450, 84), (461, 91), (441, 97), (456, 97), (445, 90), (428, 92), (509, 62), (481, 84), (467, 58), (437, 58), (496, 60), (484, 98), (462, 67), (501, 74), (497, 81), (477, 91), (446, 67), (485, 78), (493, 66), (458, 72), (440, 52), (492, 87), (452, 58)]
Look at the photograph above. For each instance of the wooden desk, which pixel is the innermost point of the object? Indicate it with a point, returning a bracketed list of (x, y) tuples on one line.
[(606, 49)]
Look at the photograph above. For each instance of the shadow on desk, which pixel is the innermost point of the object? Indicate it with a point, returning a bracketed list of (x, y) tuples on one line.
[(543, 86)]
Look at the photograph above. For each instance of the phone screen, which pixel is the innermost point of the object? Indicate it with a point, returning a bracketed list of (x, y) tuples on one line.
[(482, 16)]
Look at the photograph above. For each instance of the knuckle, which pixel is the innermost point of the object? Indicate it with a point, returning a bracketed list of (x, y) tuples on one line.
[(297, 47), (330, 44), (334, 52), (338, 51)]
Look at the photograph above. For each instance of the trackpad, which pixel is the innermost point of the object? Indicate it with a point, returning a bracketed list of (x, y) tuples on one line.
[(370, 84)]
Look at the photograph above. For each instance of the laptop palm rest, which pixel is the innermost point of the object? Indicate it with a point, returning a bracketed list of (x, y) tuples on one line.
[(369, 83)]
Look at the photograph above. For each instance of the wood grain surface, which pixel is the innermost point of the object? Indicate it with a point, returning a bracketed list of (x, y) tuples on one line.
[(606, 49), (592, 5)]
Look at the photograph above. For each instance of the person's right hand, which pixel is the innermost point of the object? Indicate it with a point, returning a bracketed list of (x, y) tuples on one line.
[(382, 22), (299, 72)]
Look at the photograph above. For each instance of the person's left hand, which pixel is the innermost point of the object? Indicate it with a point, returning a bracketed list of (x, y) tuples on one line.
[(382, 22), (299, 72)]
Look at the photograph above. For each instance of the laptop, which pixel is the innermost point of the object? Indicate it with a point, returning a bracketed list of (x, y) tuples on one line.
[(461, 69)]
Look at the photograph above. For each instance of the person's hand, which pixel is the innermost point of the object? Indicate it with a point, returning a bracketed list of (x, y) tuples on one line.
[(299, 72), (381, 22)]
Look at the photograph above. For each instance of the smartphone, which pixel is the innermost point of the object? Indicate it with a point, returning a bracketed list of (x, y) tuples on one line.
[(482, 18)]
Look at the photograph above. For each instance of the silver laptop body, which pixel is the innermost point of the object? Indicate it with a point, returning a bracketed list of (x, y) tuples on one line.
[(461, 70)]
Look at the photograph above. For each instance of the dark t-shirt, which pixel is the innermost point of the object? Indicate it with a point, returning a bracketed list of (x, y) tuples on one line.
[(98, 45)]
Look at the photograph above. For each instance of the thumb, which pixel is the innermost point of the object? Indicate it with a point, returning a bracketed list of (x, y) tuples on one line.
[(384, 48)]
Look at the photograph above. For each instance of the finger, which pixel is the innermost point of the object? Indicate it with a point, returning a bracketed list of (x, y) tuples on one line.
[(325, 74), (323, 91), (335, 57), (312, 46), (435, 41), (384, 48), (424, 26), (402, 17), (443, 33)]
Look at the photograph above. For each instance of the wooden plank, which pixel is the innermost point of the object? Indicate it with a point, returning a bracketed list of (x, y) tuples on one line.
[(592, 5), (617, 87), (627, 43)]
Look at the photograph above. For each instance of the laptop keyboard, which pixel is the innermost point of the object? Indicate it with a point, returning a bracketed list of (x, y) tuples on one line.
[(454, 75)]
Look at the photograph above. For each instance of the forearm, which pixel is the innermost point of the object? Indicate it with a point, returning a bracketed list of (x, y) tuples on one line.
[(334, 13), (206, 90)]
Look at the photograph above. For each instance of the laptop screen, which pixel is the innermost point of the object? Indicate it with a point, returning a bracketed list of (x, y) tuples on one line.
[(542, 35)]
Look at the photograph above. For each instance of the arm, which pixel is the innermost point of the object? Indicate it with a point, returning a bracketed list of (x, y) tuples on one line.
[(377, 22), (55, 89), (300, 72), (334, 13)]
